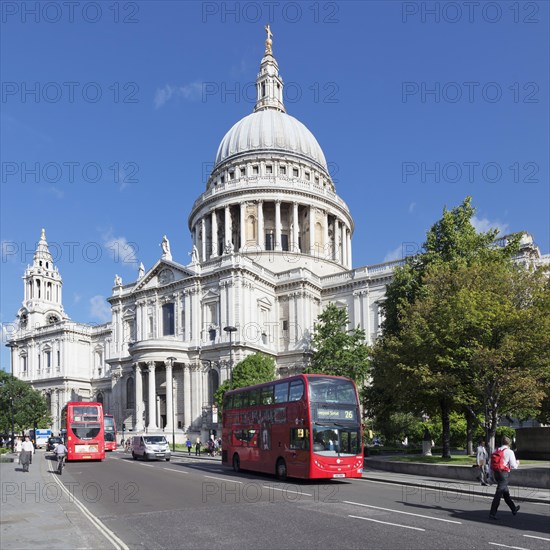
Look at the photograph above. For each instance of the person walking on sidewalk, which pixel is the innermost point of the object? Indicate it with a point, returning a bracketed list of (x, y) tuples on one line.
[(189, 445), (502, 461), (481, 460), (198, 447), (27, 450)]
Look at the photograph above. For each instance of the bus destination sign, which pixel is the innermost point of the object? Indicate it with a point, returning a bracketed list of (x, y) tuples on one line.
[(335, 414)]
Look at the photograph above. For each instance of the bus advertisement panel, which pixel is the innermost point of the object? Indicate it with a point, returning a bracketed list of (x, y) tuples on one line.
[(307, 426), (109, 427), (83, 422)]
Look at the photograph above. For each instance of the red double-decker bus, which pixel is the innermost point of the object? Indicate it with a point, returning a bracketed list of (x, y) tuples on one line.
[(83, 424), (109, 427), (307, 426)]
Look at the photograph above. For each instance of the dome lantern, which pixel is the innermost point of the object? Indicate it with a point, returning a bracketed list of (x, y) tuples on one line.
[(269, 85)]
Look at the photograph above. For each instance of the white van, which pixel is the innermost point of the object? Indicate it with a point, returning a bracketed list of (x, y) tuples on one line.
[(150, 446)]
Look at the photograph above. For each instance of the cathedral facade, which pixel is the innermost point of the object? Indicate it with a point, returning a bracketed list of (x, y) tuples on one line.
[(271, 243)]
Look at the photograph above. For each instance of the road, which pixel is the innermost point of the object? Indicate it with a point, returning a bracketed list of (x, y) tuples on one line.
[(188, 503)]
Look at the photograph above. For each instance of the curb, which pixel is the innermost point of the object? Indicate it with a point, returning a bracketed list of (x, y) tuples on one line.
[(438, 485)]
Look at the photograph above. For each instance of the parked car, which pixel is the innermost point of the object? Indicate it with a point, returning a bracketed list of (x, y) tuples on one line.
[(52, 442)]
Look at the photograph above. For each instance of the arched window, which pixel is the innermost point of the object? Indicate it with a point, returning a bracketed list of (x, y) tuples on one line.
[(130, 393), (100, 398)]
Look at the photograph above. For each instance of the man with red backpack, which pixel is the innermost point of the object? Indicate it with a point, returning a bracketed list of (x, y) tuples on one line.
[(502, 461)]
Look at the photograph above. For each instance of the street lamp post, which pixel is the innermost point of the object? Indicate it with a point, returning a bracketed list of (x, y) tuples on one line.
[(13, 425), (172, 359), (230, 330)]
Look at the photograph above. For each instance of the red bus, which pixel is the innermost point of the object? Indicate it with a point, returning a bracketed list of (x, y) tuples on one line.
[(109, 427), (306, 426), (83, 424)]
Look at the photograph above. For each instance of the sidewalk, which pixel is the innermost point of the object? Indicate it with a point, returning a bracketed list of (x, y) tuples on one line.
[(36, 513), (521, 494)]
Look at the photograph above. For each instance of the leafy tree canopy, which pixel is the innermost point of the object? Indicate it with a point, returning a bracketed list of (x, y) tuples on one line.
[(254, 369), (29, 406), (338, 351)]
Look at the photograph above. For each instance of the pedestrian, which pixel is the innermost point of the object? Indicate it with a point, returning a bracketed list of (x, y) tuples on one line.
[(189, 445), (481, 460), (27, 450), (17, 448), (502, 461), (198, 447)]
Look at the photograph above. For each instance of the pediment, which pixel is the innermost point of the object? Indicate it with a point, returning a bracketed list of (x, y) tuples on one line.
[(210, 294), (163, 273), (265, 302)]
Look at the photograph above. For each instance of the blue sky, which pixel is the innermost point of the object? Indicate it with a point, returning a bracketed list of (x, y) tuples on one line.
[(111, 119)]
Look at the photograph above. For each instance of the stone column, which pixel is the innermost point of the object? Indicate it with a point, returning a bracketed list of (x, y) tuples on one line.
[(214, 225), (261, 235), (296, 228), (336, 251), (187, 309), (326, 245), (55, 411), (227, 227), (169, 396), (243, 227), (151, 383), (186, 397), (138, 426), (343, 238), (311, 230), (203, 239), (348, 247), (278, 237), (292, 324)]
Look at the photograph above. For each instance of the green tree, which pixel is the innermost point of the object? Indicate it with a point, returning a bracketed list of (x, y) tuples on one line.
[(254, 369), (29, 406), (475, 335), (336, 350), (433, 378)]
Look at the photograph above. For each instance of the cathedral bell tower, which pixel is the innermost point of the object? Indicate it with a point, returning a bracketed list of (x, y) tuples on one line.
[(42, 304)]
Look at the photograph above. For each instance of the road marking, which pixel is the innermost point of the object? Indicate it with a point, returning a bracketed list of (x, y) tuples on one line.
[(148, 465), (224, 479), (97, 523), (401, 512), (174, 470), (286, 491), (388, 523), (533, 537), (506, 546)]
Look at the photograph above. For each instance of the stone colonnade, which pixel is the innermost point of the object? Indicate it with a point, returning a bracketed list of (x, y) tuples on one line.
[(186, 406), (273, 225)]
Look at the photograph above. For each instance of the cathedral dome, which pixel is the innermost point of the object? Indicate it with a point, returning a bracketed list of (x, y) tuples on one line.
[(270, 130)]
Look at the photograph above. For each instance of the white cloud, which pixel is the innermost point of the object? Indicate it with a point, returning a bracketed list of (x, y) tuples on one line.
[(100, 309), (76, 298), (412, 206), (56, 192), (121, 250), (395, 254), (189, 92), (482, 225)]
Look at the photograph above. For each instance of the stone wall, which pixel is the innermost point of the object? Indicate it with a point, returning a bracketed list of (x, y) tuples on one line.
[(533, 443)]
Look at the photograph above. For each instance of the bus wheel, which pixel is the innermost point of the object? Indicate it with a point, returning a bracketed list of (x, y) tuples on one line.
[(236, 463), (281, 469)]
